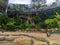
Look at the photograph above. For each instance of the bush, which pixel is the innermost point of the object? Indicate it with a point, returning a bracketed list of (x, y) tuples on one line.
[(51, 23), (28, 26), (36, 19), (3, 21), (4, 26), (21, 26), (11, 24), (38, 26), (3, 18), (57, 16)]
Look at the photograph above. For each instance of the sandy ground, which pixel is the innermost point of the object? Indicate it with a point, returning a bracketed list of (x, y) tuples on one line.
[(37, 34)]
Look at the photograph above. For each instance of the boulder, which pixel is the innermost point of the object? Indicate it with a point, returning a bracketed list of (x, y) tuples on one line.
[(2, 38), (10, 38), (23, 41), (39, 43)]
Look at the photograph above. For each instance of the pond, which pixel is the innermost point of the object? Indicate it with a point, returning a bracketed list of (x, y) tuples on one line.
[(5, 43)]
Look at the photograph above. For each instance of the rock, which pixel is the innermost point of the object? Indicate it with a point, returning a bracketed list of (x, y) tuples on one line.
[(2, 38), (39, 43), (22, 41), (4, 34), (9, 38), (16, 34)]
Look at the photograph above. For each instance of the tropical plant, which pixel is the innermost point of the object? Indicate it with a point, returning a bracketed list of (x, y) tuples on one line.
[(36, 6), (28, 26), (51, 23), (36, 19), (20, 23), (57, 16), (3, 20), (11, 24)]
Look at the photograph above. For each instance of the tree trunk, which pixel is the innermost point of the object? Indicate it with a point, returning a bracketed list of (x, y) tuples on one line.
[(48, 34), (48, 43)]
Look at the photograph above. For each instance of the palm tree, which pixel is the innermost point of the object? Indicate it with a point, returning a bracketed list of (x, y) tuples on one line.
[(37, 6)]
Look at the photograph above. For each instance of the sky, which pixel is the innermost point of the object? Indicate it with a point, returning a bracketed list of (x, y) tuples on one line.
[(20, 1), (26, 1), (50, 1)]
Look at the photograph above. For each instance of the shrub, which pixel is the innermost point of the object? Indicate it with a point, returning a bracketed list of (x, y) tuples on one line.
[(38, 26), (3, 18), (57, 16), (28, 26), (4, 26), (37, 19), (3, 21), (11, 24), (21, 26), (51, 23)]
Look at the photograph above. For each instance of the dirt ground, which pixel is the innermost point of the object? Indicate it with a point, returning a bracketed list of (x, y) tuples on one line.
[(37, 34)]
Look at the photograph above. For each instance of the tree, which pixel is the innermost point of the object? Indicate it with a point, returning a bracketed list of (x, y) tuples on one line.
[(3, 4), (37, 22), (36, 6), (17, 8), (3, 20), (51, 23), (57, 16), (11, 24)]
